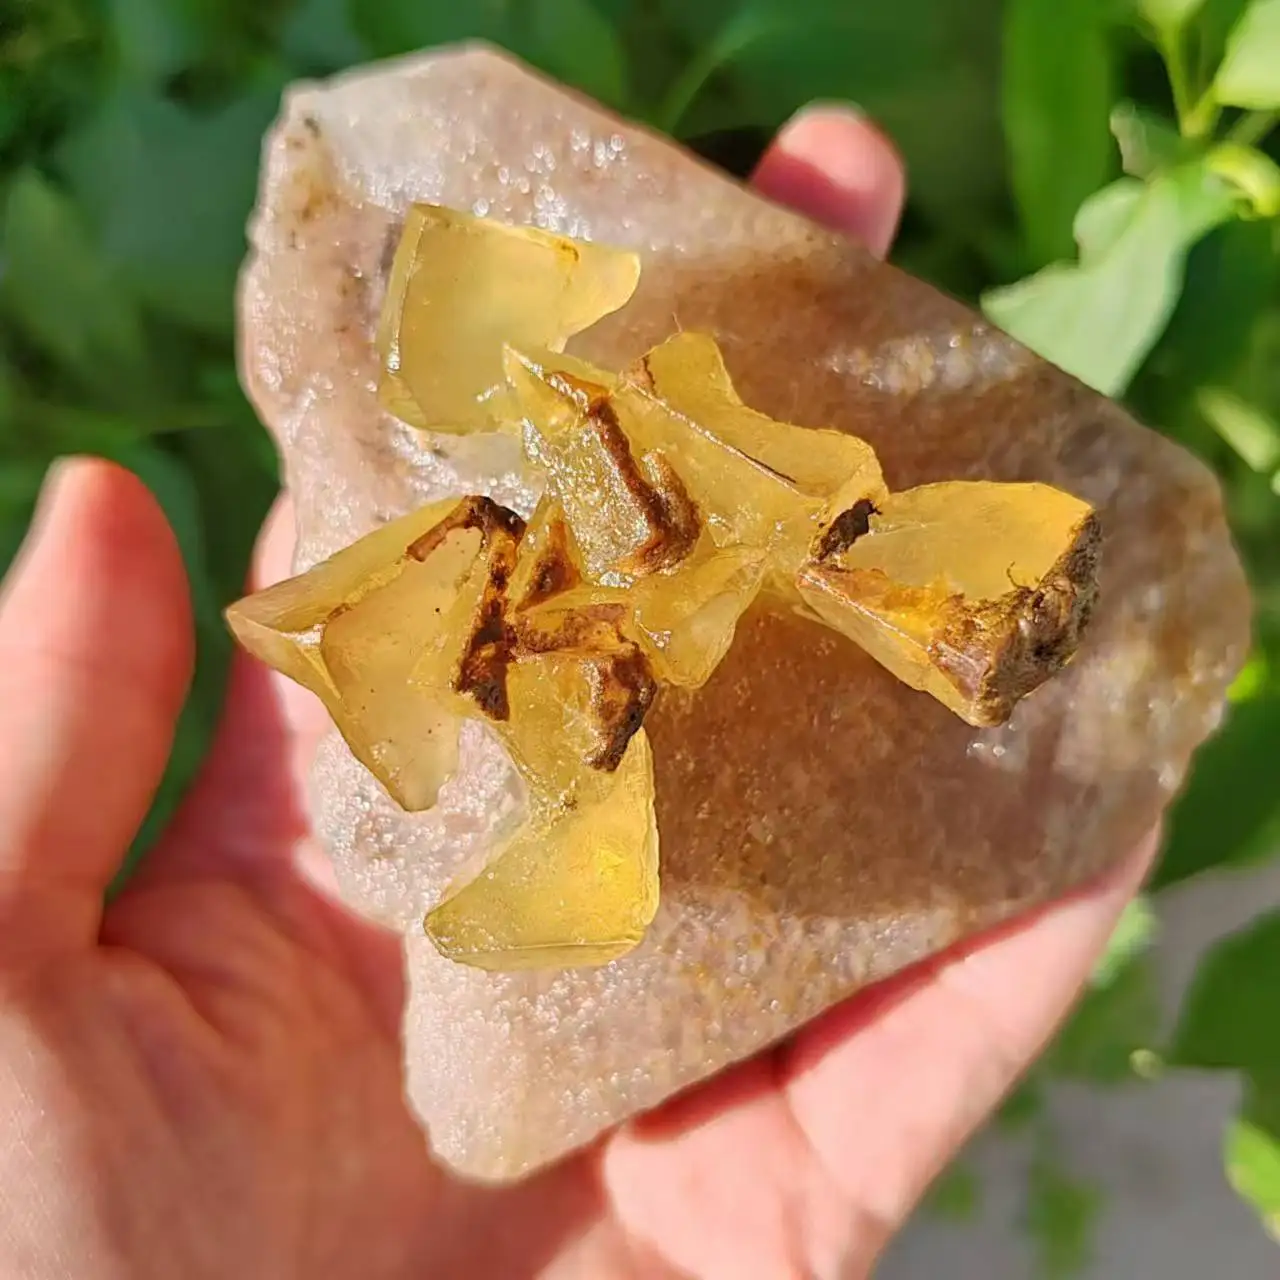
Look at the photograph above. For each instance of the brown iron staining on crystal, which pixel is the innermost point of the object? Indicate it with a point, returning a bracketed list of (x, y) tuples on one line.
[(622, 691), (551, 568), (845, 529), (482, 667), (978, 621), (670, 507), (1001, 650)]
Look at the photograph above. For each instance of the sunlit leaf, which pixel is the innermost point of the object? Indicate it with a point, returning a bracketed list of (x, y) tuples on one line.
[(1133, 935), (1057, 95), (1251, 1149), (1252, 432), (1147, 141), (1168, 15), (1104, 216), (1253, 173), (1228, 1016), (1099, 319), (1252, 1158), (1250, 72)]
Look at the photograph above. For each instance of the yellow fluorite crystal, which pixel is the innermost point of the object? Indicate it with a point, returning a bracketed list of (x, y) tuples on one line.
[(973, 591), (460, 287), (669, 506), (577, 885), (353, 628)]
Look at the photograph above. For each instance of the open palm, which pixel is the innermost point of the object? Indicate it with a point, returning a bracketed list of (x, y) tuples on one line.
[(205, 1080)]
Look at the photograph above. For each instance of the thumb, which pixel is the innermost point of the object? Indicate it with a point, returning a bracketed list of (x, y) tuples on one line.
[(95, 657)]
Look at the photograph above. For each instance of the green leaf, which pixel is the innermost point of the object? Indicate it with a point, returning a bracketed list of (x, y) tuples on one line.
[(1023, 1106), (1062, 1214), (393, 27), (1228, 1017), (570, 39), (1253, 173), (1215, 21), (1105, 216), (1252, 432), (19, 488), (1057, 94), (1251, 1151), (1147, 141), (172, 190), (319, 37), (59, 291), (926, 71), (1231, 280), (575, 42), (1133, 935), (1099, 319), (215, 495), (176, 493), (152, 38), (1249, 75), (1112, 1023), (1168, 15), (1230, 800), (955, 1195)]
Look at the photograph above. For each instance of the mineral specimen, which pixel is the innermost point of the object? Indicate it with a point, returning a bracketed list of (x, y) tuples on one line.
[(821, 824), (669, 505)]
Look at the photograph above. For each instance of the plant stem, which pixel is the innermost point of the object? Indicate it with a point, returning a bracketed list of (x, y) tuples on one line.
[(1196, 114), (688, 84), (1250, 129), (741, 32), (1174, 54)]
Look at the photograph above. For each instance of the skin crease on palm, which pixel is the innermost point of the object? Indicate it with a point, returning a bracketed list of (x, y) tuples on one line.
[(205, 1080)]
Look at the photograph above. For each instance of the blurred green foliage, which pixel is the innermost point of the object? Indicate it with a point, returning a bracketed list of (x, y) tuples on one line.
[(1101, 175)]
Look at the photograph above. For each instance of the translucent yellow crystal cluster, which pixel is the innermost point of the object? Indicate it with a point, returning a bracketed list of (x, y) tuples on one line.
[(669, 508)]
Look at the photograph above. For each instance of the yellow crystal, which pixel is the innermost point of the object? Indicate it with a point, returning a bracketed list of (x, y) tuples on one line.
[(973, 591), (670, 505), (351, 630), (764, 483), (462, 286), (631, 515), (576, 886)]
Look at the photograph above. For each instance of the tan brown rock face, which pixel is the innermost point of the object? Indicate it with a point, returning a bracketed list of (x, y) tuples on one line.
[(821, 825)]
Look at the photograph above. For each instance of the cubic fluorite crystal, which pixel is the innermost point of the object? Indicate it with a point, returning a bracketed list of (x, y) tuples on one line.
[(821, 824)]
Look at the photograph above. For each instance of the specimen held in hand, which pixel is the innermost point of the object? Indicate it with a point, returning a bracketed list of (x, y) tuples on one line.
[(668, 506), (820, 823)]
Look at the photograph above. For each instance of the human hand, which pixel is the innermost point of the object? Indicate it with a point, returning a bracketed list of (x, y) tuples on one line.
[(204, 1080)]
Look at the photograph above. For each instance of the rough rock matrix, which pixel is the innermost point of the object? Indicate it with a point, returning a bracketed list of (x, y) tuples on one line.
[(821, 824)]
